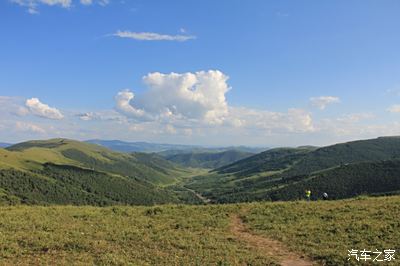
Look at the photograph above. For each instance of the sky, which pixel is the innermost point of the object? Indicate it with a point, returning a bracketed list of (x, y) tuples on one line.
[(227, 72)]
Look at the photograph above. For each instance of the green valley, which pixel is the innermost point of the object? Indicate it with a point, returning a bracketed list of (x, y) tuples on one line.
[(209, 160)]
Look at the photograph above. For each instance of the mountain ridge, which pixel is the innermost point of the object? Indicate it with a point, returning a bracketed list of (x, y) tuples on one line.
[(72, 172), (273, 175)]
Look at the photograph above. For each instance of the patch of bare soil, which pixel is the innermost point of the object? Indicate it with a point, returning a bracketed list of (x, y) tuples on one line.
[(269, 247)]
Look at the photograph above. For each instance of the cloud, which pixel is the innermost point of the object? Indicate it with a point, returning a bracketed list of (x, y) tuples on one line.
[(353, 125), (282, 14), (170, 129), (33, 5), (394, 108), (43, 110), (103, 2), (152, 36), (198, 96), (106, 115), (12, 105), (87, 116), (323, 101), (123, 104), (29, 127), (198, 100), (357, 117), (86, 2), (294, 120), (33, 11)]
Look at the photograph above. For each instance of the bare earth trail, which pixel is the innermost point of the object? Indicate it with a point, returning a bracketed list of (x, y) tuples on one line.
[(199, 196), (266, 246)]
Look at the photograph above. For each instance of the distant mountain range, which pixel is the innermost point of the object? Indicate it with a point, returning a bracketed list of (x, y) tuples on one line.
[(4, 145), (167, 149), (123, 146)]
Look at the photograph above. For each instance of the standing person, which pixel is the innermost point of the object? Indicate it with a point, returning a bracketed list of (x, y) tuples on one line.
[(308, 194), (325, 196)]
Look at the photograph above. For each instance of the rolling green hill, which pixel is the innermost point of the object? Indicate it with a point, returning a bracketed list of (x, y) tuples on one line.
[(343, 170), (383, 148), (271, 160), (207, 159), (65, 184), (66, 171), (148, 167), (72, 172)]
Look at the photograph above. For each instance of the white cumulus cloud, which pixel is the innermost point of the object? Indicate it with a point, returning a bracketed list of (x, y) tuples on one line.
[(152, 36), (198, 100), (29, 127), (323, 101), (198, 96), (43, 110), (123, 104), (394, 108)]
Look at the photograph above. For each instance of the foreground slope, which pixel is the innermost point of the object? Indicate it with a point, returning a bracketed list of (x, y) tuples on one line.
[(342, 170), (198, 235), (70, 172)]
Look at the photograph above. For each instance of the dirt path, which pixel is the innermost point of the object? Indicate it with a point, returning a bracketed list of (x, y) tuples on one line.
[(199, 196), (272, 248)]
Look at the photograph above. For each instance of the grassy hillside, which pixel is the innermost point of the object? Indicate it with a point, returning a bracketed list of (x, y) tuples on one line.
[(350, 180), (209, 160), (70, 172), (383, 148), (342, 170), (271, 160), (197, 235), (61, 151), (367, 178), (63, 184)]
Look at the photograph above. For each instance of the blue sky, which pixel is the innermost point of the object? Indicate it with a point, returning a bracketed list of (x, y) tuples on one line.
[(300, 72)]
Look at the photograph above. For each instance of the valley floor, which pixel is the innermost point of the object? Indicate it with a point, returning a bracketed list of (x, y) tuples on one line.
[(286, 233)]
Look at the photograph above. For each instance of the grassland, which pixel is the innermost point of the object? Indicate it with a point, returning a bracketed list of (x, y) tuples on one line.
[(195, 235)]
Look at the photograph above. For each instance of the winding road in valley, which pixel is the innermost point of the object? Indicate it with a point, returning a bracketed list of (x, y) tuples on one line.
[(199, 196)]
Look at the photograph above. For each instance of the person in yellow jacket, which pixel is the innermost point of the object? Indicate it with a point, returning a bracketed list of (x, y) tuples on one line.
[(308, 195)]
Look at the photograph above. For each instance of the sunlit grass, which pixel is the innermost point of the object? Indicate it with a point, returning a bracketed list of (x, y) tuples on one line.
[(195, 235)]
